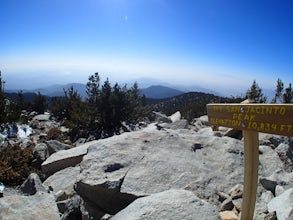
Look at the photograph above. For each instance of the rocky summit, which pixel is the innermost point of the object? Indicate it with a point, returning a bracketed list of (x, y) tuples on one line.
[(168, 170)]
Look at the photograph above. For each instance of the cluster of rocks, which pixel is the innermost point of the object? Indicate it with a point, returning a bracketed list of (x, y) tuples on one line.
[(25, 135), (168, 170)]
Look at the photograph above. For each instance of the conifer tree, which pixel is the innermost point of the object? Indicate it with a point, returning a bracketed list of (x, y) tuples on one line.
[(72, 102), (255, 93), (58, 107), (278, 91), (119, 104), (93, 91), (137, 108), (39, 103), (77, 114), (291, 93), (106, 110), (2, 102), (288, 94)]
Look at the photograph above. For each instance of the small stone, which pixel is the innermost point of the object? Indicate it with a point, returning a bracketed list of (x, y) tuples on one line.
[(237, 191), (227, 205), (237, 204), (268, 184), (271, 216), (279, 190), (32, 185), (228, 215), (106, 217), (222, 196)]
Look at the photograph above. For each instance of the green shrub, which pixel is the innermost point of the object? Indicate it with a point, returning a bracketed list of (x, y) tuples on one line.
[(15, 165)]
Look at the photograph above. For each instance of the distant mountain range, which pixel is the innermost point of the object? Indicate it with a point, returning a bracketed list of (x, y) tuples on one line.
[(160, 92), (148, 82), (56, 90), (151, 88), (153, 91)]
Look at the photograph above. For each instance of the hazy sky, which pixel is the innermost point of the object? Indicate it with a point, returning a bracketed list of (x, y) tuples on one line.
[(217, 44)]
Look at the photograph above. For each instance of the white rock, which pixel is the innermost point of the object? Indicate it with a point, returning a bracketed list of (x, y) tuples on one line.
[(172, 204), (150, 161), (262, 202), (42, 117), (175, 117), (65, 158), (279, 190), (283, 205), (206, 131), (39, 206), (2, 187), (63, 180), (269, 161)]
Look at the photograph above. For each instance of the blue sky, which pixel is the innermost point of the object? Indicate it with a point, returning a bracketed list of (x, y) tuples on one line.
[(222, 45)]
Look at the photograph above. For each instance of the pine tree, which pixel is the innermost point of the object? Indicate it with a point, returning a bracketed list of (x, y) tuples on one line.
[(119, 104), (77, 114), (106, 110), (255, 93), (137, 108), (39, 103), (288, 94), (278, 91), (291, 93), (2, 102), (58, 107), (93, 91)]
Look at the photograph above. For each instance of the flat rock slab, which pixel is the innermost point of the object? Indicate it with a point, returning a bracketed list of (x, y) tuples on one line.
[(42, 117), (63, 180), (151, 161), (65, 158), (39, 206), (171, 204), (186, 161)]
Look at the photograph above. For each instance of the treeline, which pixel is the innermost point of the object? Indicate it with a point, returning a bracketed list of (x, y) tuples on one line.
[(282, 95), (100, 115), (107, 107)]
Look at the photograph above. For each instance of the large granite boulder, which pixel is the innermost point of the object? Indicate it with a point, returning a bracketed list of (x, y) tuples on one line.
[(179, 124), (150, 161), (117, 170), (171, 204), (54, 146), (39, 206), (269, 161), (162, 118), (175, 117), (200, 123), (42, 117), (65, 158), (63, 180)]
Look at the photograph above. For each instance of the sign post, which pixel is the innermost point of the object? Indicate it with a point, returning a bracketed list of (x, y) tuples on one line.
[(252, 118)]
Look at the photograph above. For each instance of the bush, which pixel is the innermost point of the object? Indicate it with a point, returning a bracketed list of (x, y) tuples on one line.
[(15, 165), (54, 134)]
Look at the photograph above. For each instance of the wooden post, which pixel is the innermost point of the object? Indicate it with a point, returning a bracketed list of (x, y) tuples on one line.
[(250, 173), (252, 118)]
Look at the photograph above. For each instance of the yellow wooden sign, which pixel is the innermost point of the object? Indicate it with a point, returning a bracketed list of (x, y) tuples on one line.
[(266, 118), (252, 118)]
